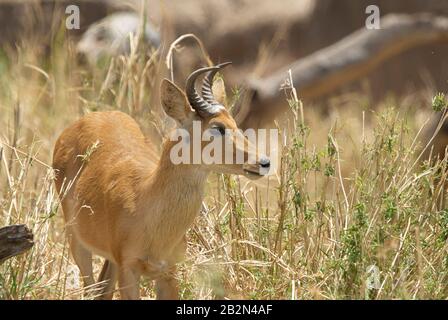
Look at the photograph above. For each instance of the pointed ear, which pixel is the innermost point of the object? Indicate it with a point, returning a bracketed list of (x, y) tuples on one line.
[(219, 91), (174, 102)]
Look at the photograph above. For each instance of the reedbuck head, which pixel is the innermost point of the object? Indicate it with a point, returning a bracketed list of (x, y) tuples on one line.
[(210, 137)]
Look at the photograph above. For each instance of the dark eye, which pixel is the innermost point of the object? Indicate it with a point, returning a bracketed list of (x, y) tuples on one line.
[(221, 130)]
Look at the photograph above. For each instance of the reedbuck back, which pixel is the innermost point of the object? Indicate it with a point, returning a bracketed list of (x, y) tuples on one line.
[(124, 202)]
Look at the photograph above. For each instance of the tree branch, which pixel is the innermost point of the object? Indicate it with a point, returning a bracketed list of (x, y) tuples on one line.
[(345, 61)]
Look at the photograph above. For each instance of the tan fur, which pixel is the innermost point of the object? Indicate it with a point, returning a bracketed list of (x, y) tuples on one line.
[(126, 203)]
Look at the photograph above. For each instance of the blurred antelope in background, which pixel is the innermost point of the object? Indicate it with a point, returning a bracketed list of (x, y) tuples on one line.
[(127, 204)]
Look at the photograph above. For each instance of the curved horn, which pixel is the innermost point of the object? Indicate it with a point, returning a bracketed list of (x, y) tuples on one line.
[(207, 84), (196, 101)]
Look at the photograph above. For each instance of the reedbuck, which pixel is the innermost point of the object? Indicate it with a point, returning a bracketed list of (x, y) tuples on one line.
[(127, 204)]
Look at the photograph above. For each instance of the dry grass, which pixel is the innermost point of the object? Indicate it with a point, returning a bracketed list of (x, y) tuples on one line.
[(349, 194)]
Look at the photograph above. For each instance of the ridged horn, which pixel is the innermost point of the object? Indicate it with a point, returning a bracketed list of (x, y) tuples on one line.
[(207, 84), (196, 101)]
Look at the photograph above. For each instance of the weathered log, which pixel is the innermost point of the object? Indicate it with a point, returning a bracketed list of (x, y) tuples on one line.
[(14, 240), (343, 62)]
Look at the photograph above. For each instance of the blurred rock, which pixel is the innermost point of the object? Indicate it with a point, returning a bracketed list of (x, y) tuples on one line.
[(111, 36)]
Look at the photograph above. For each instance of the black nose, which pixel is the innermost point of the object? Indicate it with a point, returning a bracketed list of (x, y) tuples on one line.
[(264, 162)]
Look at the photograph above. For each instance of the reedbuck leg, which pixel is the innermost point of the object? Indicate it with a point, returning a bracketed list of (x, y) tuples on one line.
[(108, 277), (83, 259), (128, 283), (167, 287)]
